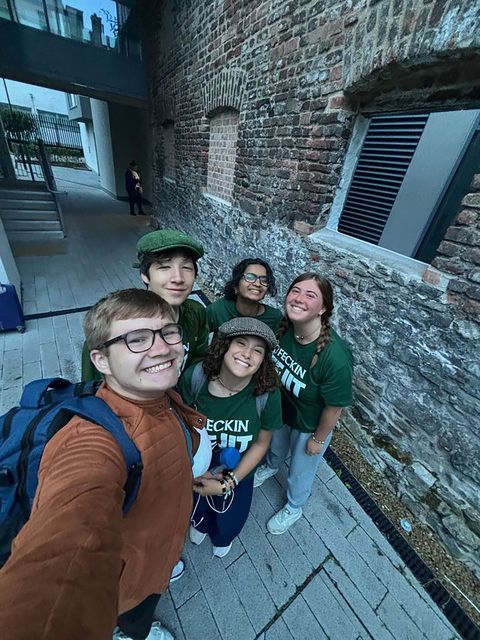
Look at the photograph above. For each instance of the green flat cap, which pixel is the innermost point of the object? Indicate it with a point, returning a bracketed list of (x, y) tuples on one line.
[(165, 239)]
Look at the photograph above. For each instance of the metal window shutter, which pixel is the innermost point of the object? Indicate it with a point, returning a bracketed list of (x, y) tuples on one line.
[(386, 153)]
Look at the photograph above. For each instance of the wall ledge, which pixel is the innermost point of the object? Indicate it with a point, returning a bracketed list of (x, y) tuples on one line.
[(409, 267)]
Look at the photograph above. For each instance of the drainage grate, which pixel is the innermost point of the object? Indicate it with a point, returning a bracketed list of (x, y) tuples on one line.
[(446, 602), (60, 312)]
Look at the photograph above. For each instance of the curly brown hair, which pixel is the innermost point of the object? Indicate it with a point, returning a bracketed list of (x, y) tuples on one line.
[(266, 378)]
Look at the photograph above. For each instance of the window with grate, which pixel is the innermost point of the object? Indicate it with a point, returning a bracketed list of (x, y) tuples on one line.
[(405, 167)]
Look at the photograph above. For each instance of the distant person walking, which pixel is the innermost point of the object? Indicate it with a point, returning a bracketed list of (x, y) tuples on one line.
[(133, 185)]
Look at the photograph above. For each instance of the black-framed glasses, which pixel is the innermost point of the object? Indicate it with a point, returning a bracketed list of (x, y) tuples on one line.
[(252, 277), (142, 339)]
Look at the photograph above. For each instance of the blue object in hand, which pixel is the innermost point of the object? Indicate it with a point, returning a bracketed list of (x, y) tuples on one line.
[(229, 458)]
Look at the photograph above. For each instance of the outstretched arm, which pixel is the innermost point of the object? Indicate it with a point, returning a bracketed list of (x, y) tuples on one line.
[(61, 580)]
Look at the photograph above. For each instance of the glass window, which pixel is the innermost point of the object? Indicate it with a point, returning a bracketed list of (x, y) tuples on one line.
[(72, 100), (4, 12), (30, 13)]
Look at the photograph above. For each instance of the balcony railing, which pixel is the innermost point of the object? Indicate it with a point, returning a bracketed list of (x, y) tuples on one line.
[(103, 23)]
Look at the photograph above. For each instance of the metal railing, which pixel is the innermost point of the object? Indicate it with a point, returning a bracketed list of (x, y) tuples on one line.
[(59, 132)]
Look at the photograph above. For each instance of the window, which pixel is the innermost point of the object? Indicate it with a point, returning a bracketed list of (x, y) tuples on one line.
[(403, 178), (169, 150), (221, 154), (72, 101)]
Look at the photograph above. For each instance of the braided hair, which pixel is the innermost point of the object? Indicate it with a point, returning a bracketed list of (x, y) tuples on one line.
[(326, 290)]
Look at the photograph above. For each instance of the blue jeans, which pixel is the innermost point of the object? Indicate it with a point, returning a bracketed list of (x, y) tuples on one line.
[(302, 466)]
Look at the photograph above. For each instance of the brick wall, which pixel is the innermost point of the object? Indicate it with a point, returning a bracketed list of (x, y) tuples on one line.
[(459, 254), (222, 152), (169, 150), (297, 73)]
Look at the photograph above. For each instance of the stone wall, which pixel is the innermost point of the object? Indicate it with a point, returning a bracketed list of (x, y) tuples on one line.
[(298, 72)]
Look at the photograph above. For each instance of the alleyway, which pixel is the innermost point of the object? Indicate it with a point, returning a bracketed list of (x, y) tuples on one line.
[(332, 576)]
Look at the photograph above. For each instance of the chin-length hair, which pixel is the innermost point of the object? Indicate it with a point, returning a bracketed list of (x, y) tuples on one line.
[(230, 288), (266, 378)]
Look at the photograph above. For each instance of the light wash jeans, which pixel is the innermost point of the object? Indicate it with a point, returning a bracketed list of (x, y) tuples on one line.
[(302, 466)]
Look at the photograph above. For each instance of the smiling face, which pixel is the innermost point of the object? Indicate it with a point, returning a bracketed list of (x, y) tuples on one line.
[(244, 356), (139, 376), (252, 291), (171, 277), (304, 301)]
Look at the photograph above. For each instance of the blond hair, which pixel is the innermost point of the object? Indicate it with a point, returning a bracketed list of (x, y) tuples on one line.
[(121, 305)]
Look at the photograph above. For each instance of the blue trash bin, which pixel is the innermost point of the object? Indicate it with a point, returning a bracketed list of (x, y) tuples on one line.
[(11, 314)]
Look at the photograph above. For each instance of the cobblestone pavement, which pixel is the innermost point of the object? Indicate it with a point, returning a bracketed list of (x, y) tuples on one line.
[(333, 575)]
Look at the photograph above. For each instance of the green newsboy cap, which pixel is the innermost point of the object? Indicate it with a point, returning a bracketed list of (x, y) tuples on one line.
[(247, 326), (165, 239)]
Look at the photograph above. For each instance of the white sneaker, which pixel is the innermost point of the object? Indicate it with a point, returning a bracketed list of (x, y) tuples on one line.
[(221, 552), (157, 632), (264, 472), (196, 536), (177, 571), (283, 520)]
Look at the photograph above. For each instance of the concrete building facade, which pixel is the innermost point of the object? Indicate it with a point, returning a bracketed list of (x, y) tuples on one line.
[(318, 95)]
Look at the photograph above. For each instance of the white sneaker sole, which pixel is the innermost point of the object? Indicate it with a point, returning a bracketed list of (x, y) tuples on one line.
[(177, 576), (221, 552)]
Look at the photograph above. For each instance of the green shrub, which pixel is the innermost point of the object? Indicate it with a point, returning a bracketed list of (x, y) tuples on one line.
[(17, 123)]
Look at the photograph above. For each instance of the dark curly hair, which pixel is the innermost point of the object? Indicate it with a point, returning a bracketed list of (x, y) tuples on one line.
[(229, 290), (266, 378)]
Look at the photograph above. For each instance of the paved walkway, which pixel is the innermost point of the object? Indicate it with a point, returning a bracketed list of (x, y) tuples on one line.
[(333, 575)]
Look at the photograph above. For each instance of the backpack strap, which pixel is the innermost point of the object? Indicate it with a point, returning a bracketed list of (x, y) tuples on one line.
[(261, 402), (96, 410), (198, 379), (186, 432), (89, 388), (34, 392)]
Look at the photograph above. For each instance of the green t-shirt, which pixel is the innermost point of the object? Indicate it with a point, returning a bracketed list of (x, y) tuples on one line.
[(306, 391), (193, 320), (233, 421), (222, 310)]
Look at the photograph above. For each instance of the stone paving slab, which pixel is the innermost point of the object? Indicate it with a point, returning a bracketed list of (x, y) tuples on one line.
[(333, 575)]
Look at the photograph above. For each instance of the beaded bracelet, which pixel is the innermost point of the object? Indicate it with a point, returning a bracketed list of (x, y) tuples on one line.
[(231, 478), (317, 441), (226, 488)]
